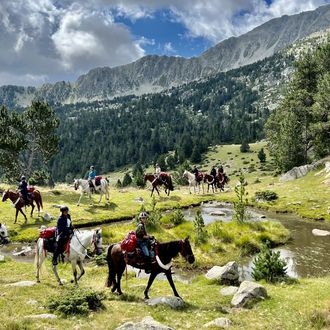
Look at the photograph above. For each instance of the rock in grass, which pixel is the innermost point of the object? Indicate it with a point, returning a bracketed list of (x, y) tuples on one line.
[(173, 302), (218, 213), (228, 274), (2, 258), (42, 316), (220, 322), (229, 290), (148, 323), (248, 293), (22, 283), (319, 232)]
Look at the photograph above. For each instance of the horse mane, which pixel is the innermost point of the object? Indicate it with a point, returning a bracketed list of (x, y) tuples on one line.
[(169, 248)]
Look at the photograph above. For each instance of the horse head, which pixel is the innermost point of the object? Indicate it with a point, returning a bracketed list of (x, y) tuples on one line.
[(5, 195), (76, 183), (3, 234), (185, 174), (97, 241), (186, 250)]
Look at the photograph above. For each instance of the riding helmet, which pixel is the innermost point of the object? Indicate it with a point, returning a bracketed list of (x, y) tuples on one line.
[(92, 167), (64, 208), (23, 177), (143, 215)]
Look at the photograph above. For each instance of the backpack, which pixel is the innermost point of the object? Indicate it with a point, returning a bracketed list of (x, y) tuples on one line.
[(129, 243), (47, 233)]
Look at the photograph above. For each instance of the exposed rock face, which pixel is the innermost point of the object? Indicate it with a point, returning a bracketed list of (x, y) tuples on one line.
[(148, 323), (220, 322), (248, 293), (173, 302), (153, 73), (228, 274), (297, 172)]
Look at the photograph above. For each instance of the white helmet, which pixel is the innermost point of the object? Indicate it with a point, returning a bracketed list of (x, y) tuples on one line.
[(143, 215)]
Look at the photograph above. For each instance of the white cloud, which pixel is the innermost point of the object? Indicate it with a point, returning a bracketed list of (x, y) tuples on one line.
[(168, 48)]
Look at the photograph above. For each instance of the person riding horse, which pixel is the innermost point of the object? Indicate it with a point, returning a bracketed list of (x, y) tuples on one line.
[(158, 172), (143, 240), (91, 178), (64, 230), (23, 188), (213, 172), (196, 172)]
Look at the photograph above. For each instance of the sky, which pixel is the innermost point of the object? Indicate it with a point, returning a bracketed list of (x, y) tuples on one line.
[(43, 41)]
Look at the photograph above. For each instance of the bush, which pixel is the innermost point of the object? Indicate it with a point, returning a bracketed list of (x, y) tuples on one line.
[(76, 302), (177, 217), (118, 184), (127, 180), (240, 206), (262, 155), (154, 215), (199, 227), (268, 266), (244, 147), (266, 195)]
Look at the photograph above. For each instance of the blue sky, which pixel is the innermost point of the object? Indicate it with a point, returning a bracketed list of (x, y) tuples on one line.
[(51, 40)]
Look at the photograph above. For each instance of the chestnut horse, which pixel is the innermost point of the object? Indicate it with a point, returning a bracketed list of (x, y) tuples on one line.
[(211, 181), (19, 203), (155, 182), (166, 252)]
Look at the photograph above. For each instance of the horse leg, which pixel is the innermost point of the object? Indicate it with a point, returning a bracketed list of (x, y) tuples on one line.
[(74, 271), (151, 279), (16, 216), (32, 208), (168, 274), (119, 275), (82, 270), (23, 215), (80, 198), (39, 259), (56, 275)]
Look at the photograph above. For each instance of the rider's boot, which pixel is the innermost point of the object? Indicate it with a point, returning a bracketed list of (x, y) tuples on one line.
[(147, 262)]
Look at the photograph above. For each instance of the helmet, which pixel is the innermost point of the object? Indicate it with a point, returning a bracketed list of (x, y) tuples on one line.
[(156, 164), (143, 215), (92, 167), (23, 177), (64, 208)]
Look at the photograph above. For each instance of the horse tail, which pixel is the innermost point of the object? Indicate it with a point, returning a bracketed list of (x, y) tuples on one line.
[(112, 274)]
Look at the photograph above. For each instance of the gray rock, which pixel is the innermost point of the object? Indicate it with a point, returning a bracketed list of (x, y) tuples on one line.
[(148, 323), (227, 274), (248, 293), (319, 232), (220, 322), (42, 316), (173, 302), (218, 213), (22, 284), (47, 217), (2, 258), (26, 251), (229, 290), (31, 302)]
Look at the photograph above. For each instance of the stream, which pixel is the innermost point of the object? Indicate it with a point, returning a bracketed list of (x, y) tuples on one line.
[(306, 255)]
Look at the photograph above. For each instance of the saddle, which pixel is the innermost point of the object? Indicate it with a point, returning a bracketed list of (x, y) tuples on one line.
[(98, 180)]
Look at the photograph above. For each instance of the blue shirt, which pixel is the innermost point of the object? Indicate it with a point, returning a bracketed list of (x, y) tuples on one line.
[(92, 175)]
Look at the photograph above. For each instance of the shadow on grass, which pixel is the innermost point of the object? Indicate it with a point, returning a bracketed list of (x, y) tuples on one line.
[(109, 206)]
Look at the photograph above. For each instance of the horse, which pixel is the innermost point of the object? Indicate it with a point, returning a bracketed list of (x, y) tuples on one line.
[(19, 203), (193, 182), (211, 181), (222, 180), (166, 252), (4, 238), (79, 243), (155, 181), (103, 188)]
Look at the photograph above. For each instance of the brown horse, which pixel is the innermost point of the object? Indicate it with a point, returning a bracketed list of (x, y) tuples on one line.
[(211, 181), (222, 180), (19, 203), (155, 182), (166, 252)]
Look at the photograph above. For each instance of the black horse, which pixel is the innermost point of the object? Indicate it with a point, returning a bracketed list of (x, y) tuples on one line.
[(166, 252)]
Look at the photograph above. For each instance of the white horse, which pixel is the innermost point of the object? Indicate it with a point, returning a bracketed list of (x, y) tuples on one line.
[(103, 188), (80, 241), (193, 182), (4, 238)]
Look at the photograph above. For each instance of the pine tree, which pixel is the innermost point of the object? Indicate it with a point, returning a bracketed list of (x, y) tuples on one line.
[(262, 155)]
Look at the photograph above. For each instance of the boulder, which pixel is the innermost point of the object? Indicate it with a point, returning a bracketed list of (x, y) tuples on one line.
[(220, 322), (22, 283), (26, 251), (319, 232), (47, 217), (173, 302), (229, 290), (227, 274), (218, 213), (148, 323), (248, 293), (2, 258)]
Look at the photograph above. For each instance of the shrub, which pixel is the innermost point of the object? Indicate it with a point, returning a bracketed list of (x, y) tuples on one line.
[(262, 155), (76, 302), (199, 227), (240, 206), (118, 184), (127, 180), (266, 195), (244, 147), (154, 215), (177, 217), (268, 266)]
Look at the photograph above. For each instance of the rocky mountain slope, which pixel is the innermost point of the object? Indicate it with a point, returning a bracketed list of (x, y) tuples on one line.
[(155, 73)]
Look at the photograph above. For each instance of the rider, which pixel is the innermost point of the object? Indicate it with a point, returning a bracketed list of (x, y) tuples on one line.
[(158, 172), (196, 172), (91, 178), (213, 172), (64, 230), (143, 240), (23, 189)]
